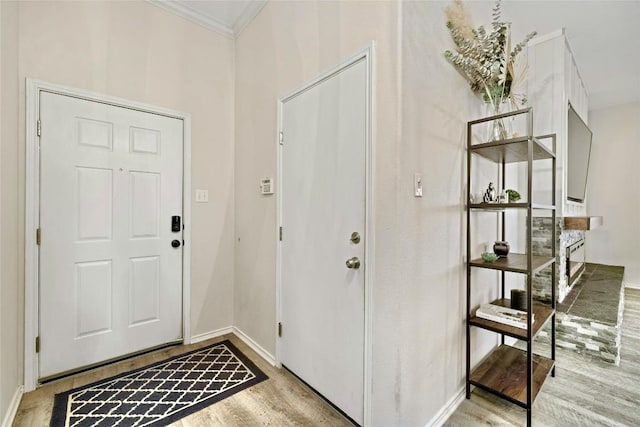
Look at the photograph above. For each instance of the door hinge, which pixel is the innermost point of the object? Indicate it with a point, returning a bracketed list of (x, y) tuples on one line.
[(37, 344), (39, 127), (281, 234), (281, 138), (38, 237), (279, 329)]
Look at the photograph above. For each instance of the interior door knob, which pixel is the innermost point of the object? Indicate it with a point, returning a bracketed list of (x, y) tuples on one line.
[(175, 244), (353, 263)]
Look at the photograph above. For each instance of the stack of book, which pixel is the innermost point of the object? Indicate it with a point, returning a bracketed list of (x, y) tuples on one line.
[(506, 315)]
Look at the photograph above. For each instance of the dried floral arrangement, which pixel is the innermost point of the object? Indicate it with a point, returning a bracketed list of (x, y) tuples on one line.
[(487, 59)]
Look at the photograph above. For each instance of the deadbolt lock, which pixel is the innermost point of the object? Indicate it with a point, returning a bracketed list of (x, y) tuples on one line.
[(355, 237)]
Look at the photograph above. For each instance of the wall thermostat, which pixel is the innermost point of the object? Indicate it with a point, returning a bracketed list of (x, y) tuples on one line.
[(266, 186)]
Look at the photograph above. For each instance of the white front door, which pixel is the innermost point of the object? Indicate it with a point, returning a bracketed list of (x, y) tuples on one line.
[(110, 279), (323, 204)]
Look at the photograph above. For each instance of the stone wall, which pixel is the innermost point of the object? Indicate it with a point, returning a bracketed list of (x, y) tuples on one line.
[(585, 336), (541, 245)]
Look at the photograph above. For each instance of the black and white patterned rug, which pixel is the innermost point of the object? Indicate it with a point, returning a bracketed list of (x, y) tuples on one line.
[(161, 393)]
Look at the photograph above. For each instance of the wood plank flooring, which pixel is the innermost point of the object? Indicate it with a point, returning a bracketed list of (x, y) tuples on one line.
[(281, 400), (585, 392)]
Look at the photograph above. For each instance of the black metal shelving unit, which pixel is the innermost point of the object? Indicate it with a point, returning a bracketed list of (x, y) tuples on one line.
[(509, 372)]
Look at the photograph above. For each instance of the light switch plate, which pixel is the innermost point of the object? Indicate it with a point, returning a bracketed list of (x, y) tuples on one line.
[(202, 196), (417, 185)]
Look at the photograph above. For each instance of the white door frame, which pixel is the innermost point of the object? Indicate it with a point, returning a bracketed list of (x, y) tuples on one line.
[(368, 54), (32, 211)]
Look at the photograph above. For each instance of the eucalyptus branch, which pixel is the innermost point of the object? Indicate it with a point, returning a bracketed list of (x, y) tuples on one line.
[(486, 59)]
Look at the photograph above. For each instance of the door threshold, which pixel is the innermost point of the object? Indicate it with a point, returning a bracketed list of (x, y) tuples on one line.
[(102, 364)]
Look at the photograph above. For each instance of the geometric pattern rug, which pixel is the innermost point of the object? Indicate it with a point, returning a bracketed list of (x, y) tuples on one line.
[(161, 393)]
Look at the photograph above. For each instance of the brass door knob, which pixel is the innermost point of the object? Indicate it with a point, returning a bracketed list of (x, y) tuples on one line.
[(353, 263)]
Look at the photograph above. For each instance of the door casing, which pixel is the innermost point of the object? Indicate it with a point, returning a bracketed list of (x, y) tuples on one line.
[(32, 209), (368, 54)]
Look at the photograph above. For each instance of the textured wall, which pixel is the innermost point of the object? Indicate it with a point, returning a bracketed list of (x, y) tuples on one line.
[(140, 52), (612, 189), (422, 106), (542, 241), (136, 51), (288, 44), (10, 273)]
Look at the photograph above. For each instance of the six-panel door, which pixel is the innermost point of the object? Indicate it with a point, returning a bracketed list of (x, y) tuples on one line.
[(110, 281)]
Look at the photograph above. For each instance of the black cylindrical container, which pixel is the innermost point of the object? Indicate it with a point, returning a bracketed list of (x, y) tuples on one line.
[(519, 299)]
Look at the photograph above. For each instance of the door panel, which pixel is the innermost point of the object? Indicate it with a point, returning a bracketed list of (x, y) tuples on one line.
[(110, 282), (323, 203)]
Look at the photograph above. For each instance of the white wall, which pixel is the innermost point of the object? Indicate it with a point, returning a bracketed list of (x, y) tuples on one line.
[(137, 51), (612, 189), (288, 44), (424, 299), (10, 293), (3, 405), (422, 109)]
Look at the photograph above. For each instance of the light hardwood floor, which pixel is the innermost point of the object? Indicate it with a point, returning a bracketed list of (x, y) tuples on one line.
[(585, 392), (281, 400)]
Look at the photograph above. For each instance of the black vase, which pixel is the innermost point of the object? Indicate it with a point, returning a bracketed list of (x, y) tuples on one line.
[(501, 248)]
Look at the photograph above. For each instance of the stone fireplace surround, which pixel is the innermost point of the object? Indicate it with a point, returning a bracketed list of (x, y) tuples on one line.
[(541, 245), (579, 332)]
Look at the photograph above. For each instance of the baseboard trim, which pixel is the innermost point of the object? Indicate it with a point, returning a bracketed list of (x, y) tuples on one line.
[(244, 337), (13, 407), (631, 286), (255, 346), (212, 334), (449, 408)]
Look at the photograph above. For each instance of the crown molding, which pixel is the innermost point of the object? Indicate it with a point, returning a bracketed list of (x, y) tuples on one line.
[(182, 10), (188, 13), (248, 14)]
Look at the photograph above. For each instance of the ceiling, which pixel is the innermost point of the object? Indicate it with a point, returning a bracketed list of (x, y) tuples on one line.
[(603, 34), (604, 37)]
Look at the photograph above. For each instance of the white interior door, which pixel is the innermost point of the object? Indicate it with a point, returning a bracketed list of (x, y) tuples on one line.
[(110, 280), (323, 203)]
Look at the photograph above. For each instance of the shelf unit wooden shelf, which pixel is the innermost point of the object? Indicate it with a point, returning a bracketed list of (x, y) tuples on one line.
[(512, 150), (504, 373), (542, 314), (515, 263), (514, 374), (501, 206)]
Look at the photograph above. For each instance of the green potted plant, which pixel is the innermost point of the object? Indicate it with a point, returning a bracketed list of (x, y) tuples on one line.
[(513, 195)]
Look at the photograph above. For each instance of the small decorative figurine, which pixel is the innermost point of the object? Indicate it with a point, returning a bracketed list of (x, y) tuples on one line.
[(490, 195)]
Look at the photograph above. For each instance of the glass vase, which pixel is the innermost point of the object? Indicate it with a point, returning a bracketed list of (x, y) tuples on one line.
[(498, 129)]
